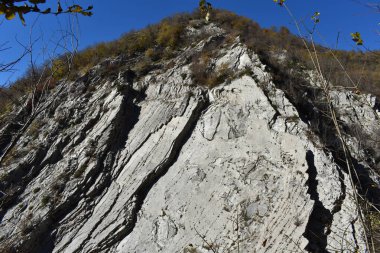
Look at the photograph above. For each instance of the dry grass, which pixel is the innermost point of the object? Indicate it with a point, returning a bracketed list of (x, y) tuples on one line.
[(161, 41)]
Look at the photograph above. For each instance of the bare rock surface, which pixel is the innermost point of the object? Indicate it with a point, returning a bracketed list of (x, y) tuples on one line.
[(163, 164)]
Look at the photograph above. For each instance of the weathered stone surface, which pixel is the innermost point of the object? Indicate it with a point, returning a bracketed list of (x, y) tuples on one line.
[(163, 165)]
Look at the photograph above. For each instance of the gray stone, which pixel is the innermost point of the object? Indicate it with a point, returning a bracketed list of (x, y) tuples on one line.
[(172, 167)]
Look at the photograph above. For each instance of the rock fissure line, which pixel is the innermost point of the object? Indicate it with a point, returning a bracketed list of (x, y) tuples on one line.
[(115, 142), (145, 140), (361, 177), (339, 202), (277, 113), (354, 235), (142, 191), (119, 135), (320, 218), (84, 241)]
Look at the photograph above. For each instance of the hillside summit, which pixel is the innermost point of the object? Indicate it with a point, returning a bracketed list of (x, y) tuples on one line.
[(213, 149)]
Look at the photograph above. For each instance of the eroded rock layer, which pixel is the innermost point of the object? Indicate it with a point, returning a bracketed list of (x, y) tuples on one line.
[(162, 164)]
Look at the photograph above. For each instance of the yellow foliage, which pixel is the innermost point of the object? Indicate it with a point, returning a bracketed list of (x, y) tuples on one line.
[(145, 39), (169, 34), (59, 68), (149, 53)]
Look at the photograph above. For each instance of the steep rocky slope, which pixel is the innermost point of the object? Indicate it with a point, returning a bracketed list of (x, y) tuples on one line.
[(163, 164)]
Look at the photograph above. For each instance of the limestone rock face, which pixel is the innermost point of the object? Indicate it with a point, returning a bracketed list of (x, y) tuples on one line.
[(162, 164)]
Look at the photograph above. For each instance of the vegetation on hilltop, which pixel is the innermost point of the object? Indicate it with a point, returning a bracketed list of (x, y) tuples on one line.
[(146, 48), (162, 40)]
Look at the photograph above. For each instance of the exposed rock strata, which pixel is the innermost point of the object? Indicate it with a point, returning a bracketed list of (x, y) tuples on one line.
[(163, 165)]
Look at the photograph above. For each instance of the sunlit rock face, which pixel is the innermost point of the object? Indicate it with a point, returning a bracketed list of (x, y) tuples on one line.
[(163, 164)]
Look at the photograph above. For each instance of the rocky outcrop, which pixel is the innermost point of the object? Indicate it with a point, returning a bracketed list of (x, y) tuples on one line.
[(162, 164)]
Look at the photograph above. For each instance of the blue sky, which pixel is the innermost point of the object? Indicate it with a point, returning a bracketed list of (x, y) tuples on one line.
[(113, 18)]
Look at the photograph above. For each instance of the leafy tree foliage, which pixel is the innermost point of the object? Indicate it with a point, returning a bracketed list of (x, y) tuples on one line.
[(169, 35), (11, 8)]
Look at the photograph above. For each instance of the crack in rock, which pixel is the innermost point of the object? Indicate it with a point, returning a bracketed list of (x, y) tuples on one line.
[(151, 179), (320, 218)]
